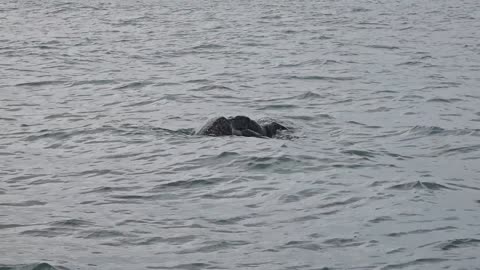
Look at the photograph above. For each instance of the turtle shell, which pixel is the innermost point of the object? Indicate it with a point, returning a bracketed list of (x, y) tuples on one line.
[(218, 126)]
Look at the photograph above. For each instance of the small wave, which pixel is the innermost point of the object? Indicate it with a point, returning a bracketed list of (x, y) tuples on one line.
[(186, 184), (379, 109), (306, 95), (309, 95), (198, 81), (154, 240), (7, 119), (72, 223), (24, 203), (271, 17), (347, 100), (228, 154), (424, 57), (314, 62), (340, 203), (425, 130), (373, 23), (415, 264), (131, 197), (330, 62), (211, 87), (49, 232), (64, 134), (398, 156), (23, 105), (97, 172), (385, 92), (166, 84), (308, 245), (396, 250), (301, 195), (464, 186), (279, 106), (172, 96), (120, 156), (358, 165), (322, 37), (362, 124), (108, 189), (360, 153), (215, 246), (421, 231), (302, 117), (383, 47), (34, 266), (458, 150), (126, 199), (410, 63), (283, 163), (323, 78), (289, 31), (112, 103), (132, 85), (381, 219), (255, 44), (228, 221), (411, 98), (187, 266), (41, 83), (360, 9), (356, 123), (185, 131), (342, 242), (97, 234), (444, 100), (443, 85), (460, 243), (9, 226), (227, 97), (208, 46), (92, 82), (63, 115), (324, 116), (472, 96), (142, 103), (421, 131), (419, 185), (59, 135), (24, 177)]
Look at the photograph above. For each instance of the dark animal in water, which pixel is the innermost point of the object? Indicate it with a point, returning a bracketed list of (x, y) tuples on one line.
[(239, 126)]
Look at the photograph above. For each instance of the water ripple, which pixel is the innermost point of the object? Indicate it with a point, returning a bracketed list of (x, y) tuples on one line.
[(101, 169), (415, 263), (459, 243), (419, 185), (34, 266)]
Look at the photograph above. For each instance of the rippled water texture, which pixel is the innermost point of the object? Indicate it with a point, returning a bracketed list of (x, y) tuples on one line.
[(98, 170)]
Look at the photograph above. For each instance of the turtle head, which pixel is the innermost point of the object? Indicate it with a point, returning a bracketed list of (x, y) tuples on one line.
[(240, 122), (271, 129)]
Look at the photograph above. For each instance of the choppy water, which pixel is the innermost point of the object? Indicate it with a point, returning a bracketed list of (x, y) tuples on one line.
[(383, 97)]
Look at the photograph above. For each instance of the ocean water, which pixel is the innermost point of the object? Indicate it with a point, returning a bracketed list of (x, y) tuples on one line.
[(98, 169)]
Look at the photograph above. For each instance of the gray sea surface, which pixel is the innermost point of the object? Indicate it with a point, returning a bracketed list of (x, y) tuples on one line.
[(99, 170)]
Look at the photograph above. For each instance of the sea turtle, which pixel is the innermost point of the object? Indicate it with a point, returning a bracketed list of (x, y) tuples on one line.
[(240, 126)]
